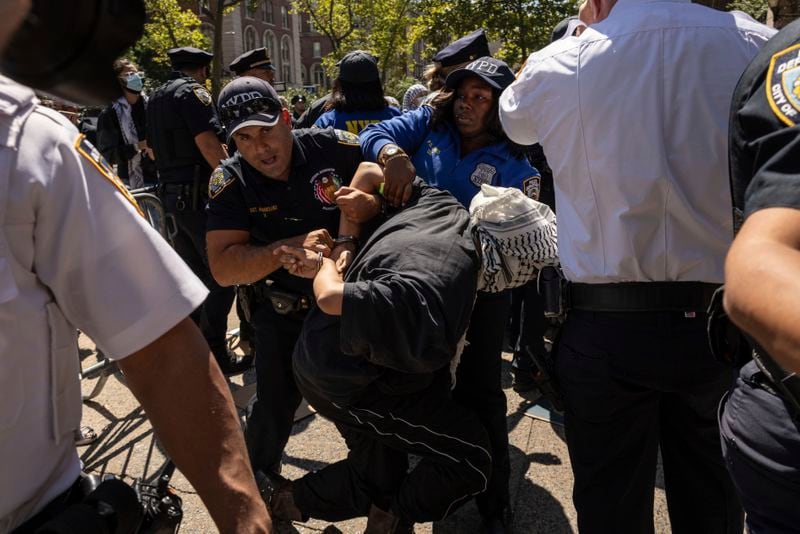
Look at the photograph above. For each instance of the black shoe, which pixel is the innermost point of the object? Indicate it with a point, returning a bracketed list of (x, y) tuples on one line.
[(231, 363), (522, 381), (276, 492)]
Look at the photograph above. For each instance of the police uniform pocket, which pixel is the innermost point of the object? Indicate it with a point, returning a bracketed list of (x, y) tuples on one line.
[(65, 386)]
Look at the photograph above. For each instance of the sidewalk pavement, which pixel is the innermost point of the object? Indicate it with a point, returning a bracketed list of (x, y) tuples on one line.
[(541, 479)]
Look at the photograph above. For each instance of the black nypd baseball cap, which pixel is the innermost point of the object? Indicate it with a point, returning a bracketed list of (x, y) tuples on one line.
[(493, 71), (248, 101), (358, 67)]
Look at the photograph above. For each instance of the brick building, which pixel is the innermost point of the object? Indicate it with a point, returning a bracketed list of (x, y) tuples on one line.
[(295, 47)]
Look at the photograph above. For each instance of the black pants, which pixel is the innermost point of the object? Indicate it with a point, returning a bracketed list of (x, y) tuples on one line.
[(479, 389), (380, 431), (270, 424), (633, 382), (190, 244), (761, 445), (531, 330)]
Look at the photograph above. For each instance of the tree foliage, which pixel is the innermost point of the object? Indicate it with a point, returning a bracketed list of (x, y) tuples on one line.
[(168, 26)]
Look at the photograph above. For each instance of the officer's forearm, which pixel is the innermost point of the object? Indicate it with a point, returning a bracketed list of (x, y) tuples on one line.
[(189, 404), (212, 150), (762, 287), (243, 263)]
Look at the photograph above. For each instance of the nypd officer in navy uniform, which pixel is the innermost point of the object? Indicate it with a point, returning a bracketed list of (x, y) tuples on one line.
[(279, 188), (256, 63), (760, 421), (184, 133)]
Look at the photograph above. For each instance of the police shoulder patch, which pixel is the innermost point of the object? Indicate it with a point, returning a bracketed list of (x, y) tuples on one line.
[(346, 138), (202, 95), (783, 85), (220, 179), (89, 152), (532, 186)]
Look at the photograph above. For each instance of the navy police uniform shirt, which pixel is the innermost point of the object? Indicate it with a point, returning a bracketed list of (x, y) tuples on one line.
[(436, 154), (241, 198), (177, 113), (764, 131), (355, 121)]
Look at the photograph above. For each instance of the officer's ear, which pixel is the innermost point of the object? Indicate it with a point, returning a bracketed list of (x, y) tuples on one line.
[(287, 118)]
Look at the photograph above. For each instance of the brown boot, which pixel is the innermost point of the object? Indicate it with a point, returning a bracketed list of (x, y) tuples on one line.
[(276, 491), (383, 522)]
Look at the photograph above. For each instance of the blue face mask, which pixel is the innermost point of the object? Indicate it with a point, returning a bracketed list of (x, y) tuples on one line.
[(134, 82)]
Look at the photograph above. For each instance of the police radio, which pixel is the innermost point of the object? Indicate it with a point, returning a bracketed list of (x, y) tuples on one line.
[(67, 49)]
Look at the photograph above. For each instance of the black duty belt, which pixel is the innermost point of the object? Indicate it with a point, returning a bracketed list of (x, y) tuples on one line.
[(178, 189), (641, 296)]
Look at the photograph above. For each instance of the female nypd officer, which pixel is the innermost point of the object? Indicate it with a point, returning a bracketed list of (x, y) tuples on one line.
[(457, 144)]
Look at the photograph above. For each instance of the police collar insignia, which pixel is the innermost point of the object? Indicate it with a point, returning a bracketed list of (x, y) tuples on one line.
[(783, 84), (483, 174), (89, 152), (202, 95), (325, 184), (346, 138), (219, 181), (532, 187)]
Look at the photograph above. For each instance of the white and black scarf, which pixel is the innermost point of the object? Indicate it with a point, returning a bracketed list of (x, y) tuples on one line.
[(131, 137)]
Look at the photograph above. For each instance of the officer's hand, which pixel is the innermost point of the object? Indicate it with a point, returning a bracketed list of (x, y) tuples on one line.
[(357, 206), (319, 241), (299, 261), (398, 175)]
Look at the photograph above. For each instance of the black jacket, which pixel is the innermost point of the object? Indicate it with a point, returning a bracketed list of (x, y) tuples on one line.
[(112, 145)]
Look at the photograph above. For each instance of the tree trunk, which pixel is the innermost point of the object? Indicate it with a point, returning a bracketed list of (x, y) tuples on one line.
[(782, 12)]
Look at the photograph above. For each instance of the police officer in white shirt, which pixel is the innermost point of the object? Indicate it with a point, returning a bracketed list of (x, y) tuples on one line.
[(633, 117), (72, 247)]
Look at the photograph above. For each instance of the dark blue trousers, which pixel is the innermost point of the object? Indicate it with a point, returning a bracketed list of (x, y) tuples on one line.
[(634, 383)]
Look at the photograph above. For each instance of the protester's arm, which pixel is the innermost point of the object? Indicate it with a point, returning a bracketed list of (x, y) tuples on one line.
[(190, 406), (762, 287), (234, 260), (212, 150)]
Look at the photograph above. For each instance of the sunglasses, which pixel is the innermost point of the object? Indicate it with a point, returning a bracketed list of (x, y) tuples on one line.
[(251, 107)]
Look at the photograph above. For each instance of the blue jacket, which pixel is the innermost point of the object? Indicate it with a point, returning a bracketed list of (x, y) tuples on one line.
[(355, 121), (436, 155)]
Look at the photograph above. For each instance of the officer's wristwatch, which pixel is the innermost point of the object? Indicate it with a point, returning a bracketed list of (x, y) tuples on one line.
[(389, 152)]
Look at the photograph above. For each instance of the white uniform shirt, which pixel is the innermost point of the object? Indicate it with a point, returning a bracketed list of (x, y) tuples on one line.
[(74, 253), (633, 119)]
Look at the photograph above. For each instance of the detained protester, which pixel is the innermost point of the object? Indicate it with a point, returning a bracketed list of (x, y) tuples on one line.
[(357, 98), (760, 420), (184, 133), (457, 145), (73, 247), (645, 224), (122, 131), (389, 395), (278, 188)]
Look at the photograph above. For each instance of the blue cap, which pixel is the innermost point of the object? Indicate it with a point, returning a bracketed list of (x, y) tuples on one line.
[(189, 56), (493, 71), (468, 48)]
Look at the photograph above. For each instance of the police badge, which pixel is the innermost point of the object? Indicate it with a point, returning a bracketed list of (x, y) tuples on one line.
[(783, 84), (532, 187), (483, 174)]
